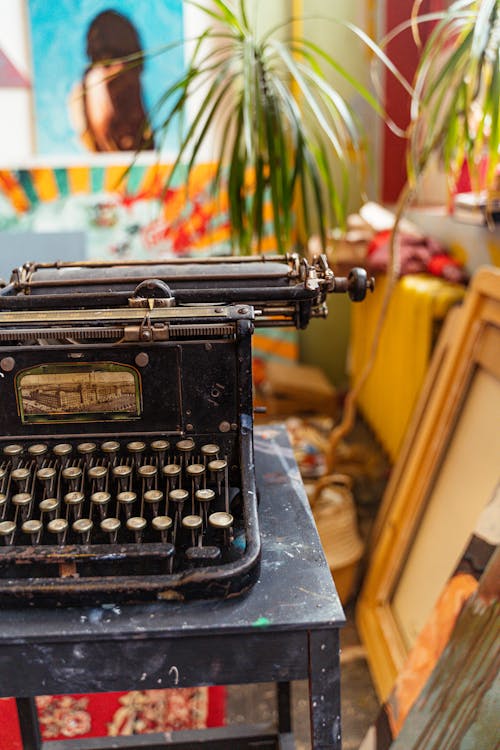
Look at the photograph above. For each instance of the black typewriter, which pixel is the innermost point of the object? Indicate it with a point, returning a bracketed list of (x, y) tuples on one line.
[(126, 419)]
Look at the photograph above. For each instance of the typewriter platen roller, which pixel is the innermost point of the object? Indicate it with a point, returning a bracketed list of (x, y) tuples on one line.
[(126, 457)]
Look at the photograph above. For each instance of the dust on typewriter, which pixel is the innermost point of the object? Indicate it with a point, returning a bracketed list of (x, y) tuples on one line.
[(126, 427)]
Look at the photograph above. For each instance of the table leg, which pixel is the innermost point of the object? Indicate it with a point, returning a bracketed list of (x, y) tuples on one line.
[(28, 724), (284, 712), (324, 689)]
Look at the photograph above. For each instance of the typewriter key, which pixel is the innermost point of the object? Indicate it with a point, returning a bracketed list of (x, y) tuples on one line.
[(3, 504), (137, 524), (162, 524), (204, 498), (197, 473), (219, 469), (123, 474), (38, 451), (172, 473), (100, 500), (127, 499), (58, 527), (98, 476), (21, 477), (193, 524), (160, 448), (222, 521), (185, 448), (33, 528), (62, 451), (13, 453), (86, 449), (22, 502), (49, 507), (74, 501), (111, 448), (210, 451), (73, 475), (148, 474), (7, 531), (136, 448), (46, 478), (82, 528), (111, 527), (178, 498), (153, 498)]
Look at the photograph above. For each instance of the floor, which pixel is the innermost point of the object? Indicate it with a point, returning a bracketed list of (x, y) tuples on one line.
[(256, 703)]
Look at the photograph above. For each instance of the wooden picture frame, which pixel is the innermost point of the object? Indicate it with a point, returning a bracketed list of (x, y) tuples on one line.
[(467, 358)]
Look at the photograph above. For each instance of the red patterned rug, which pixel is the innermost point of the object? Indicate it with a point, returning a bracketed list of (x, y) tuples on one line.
[(117, 714)]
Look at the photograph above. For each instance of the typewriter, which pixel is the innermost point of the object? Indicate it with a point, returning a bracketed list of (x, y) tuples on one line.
[(126, 458)]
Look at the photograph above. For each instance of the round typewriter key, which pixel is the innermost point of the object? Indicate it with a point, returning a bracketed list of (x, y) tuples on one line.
[(162, 524), (160, 448), (127, 499), (49, 507), (100, 500), (73, 476), (3, 504), (111, 527), (58, 527), (204, 498), (223, 522), (13, 453), (86, 449), (21, 477), (62, 451), (74, 501), (148, 474), (178, 497), (38, 451), (153, 498), (171, 471), (111, 447), (210, 451), (136, 448), (137, 524), (34, 529), (22, 502), (185, 446), (46, 478), (98, 476), (7, 531), (82, 528), (123, 474), (193, 524), (195, 471)]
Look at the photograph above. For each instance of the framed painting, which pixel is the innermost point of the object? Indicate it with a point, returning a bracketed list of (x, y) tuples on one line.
[(100, 69), (444, 478)]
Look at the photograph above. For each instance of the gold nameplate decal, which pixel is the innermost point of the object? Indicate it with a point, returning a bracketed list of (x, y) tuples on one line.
[(102, 391)]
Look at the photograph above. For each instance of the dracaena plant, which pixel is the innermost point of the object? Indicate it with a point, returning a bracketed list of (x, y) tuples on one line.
[(456, 99), (283, 123)]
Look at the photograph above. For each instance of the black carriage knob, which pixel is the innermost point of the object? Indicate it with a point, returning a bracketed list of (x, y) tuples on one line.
[(356, 284)]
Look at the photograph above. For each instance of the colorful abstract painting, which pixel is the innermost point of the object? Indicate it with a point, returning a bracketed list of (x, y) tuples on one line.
[(84, 99)]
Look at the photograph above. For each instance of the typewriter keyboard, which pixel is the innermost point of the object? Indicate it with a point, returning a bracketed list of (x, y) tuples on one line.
[(161, 506)]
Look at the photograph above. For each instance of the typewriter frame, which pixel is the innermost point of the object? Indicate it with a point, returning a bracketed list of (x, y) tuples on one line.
[(148, 305)]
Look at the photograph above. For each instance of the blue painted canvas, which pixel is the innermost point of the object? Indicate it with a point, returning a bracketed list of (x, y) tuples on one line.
[(83, 101)]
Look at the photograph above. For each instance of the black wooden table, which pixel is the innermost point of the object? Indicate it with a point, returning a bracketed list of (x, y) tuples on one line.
[(286, 628)]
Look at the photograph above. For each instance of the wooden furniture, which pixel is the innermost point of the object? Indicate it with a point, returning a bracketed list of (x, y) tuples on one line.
[(447, 472), (286, 628)]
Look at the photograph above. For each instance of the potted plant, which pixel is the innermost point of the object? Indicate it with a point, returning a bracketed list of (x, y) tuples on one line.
[(283, 123)]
